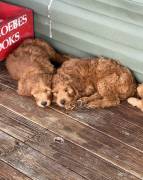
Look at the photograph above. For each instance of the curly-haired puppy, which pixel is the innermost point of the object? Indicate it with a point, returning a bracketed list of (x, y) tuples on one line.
[(97, 83), (30, 65)]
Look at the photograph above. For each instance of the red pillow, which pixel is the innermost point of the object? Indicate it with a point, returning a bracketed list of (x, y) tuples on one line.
[(16, 24)]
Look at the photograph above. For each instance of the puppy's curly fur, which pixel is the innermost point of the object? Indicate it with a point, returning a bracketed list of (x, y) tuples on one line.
[(30, 65), (96, 82)]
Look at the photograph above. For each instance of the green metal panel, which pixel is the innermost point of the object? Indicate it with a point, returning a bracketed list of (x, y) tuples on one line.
[(112, 28), (61, 47), (97, 6)]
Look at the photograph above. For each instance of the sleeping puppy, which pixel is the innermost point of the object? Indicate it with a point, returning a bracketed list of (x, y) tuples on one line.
[(30, 65), (95, 83)]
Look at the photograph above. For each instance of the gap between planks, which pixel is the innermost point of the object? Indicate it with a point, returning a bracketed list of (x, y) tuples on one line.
[(92, 152)]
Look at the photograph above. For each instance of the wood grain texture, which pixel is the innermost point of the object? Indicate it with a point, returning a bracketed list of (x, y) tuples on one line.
[(112, 123), (110, 149), (7, 144), (16, 125), (9, 173), (8, 82), (70, 164), (31, 162), (14, 128), (76, 158), (132, 114)]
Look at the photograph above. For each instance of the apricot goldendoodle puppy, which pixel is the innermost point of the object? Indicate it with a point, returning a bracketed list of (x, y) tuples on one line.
[(30, 65), (96, 83)]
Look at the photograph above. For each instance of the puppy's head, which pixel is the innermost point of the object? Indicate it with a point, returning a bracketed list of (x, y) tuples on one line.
[(38, 86), (64, 95), (42, 95)]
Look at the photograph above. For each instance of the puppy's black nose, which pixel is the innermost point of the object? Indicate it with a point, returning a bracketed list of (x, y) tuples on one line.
[(62, 102), (43, 103)]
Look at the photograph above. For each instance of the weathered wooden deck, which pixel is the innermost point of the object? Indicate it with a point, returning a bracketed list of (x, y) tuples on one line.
[(52, 144)]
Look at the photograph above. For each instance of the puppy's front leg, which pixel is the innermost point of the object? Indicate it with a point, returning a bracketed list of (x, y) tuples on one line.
[(103, 103), (70, 106), (85, 100)]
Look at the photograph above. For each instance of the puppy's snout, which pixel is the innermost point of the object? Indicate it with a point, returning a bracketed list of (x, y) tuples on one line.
[(43, 103), (63, 102)]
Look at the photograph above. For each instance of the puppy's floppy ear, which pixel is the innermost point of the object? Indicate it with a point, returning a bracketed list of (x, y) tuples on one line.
[(23, 88)]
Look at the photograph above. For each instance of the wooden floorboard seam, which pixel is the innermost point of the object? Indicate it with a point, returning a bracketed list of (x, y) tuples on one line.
[(97, 129), (18, 140), (16, 169), (25, 142), (61, 164), (105, 159), (55, 160), (28, 122), (82, 146)]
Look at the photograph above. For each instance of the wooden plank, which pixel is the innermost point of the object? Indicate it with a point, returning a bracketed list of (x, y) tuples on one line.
[(7, 144), (66, 160), (11, 124), (31, 162), (78, 167), (111, 122), (132, 114), (16, 125), (5, 78), (76, 158), (9, 173), (13, 127), (104, 146)]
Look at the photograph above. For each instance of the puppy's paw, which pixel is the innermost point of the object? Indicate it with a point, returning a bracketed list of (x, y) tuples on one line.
[(82, 101), (91, 105), (70, 107), (79, 103)]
